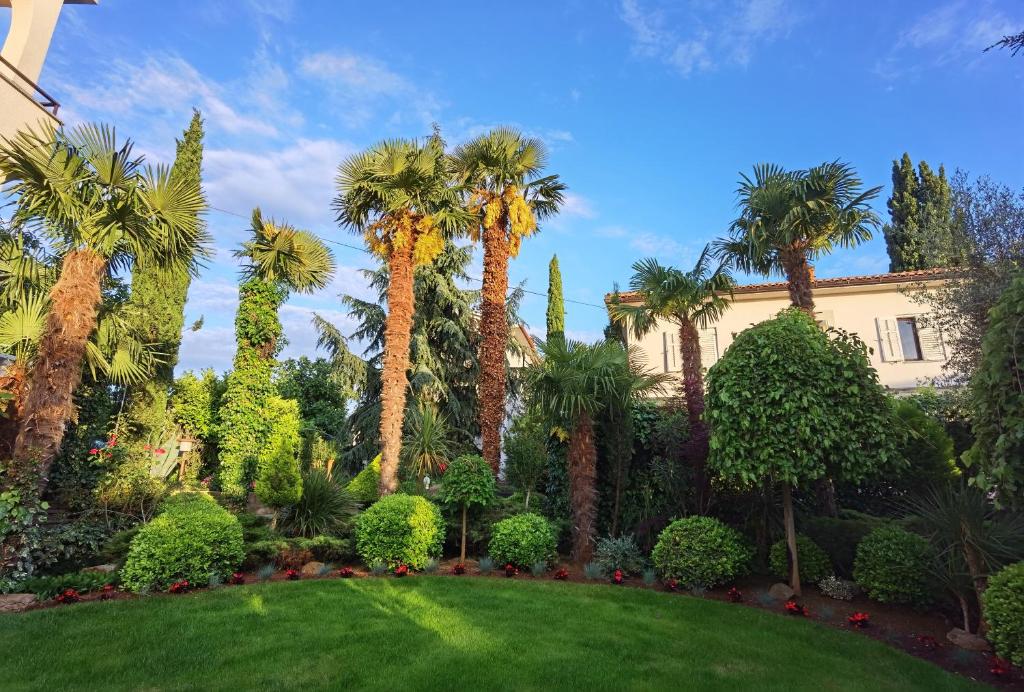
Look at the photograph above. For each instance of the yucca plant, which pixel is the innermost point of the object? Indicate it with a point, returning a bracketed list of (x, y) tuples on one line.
[(426, 445), (324, 508)]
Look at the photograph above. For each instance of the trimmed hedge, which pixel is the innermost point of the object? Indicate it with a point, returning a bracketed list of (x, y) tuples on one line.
[(523, 540), (701, 552), (400, 530), (364, 487), (1004, 609), (191, 538), (814, 562), (892, 566)]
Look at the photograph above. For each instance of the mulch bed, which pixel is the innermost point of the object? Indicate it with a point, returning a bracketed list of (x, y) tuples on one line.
[(920, 634)]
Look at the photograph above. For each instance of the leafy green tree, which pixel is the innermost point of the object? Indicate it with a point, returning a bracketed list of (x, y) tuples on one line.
[(790, 218), (91, 196), (997, 392), (690, 300), (556, 304), (468, 481), (506, 198), (322, 394), (921, 211), (815, 408), (526, 453), (157, 310), (279, 479), (575, 382), (194, 403), (278, 259)]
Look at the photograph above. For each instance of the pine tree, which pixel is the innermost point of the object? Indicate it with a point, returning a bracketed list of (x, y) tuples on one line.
[(556, 304), (921, 206), (157, 310)]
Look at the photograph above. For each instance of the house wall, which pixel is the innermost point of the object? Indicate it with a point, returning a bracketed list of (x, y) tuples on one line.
[(868, 311)]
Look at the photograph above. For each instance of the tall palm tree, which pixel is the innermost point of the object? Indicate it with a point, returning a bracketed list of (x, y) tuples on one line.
[(398, 196), (574, 382), (790, 218), (690, 300), (499, 170), (102, 211), (276, 260)]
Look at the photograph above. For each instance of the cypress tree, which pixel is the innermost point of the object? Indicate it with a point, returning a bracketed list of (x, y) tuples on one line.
[(901, 235), (921, 206), (157, 309), (556, 304)]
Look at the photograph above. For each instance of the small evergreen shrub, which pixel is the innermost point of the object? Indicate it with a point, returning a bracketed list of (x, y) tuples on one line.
[(364, 487), (892, 566), (619, 553), (700, 552), (523, 540), (278, 479), (593, 571), (839, 589), (814, 563), (192, 538), (1004, 609), (400, 530)]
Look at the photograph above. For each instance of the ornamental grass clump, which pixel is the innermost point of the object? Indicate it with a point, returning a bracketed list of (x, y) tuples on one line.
[(192, 538), (523, 540), (700, 552), (400, 529)]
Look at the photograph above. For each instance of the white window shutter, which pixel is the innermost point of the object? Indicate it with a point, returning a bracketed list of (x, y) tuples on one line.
[(708, 347), (889, 339), (932, 345)]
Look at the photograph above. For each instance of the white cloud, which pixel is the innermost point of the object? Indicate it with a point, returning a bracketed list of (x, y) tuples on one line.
[(577, 206), (210, 347)]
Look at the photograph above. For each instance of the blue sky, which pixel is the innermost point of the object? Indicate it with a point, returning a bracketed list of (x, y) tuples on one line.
[(651, 109)]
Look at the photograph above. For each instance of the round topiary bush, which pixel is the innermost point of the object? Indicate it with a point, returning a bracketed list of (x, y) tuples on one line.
[(363, 488), (892, 566), (701, 552), (523, 540), (400, 530), (191, 538), (815, 564), (1004, 609)]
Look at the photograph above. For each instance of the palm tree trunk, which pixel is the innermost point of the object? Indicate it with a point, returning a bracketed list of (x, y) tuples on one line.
[(57, 372), (799, 278), (693, 392), (394, 376), (494, 340), (978, 580), (13, 382), (582, 487), (787, 516)]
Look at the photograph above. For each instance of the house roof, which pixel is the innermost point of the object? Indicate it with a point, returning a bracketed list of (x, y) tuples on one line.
[(864, 280)]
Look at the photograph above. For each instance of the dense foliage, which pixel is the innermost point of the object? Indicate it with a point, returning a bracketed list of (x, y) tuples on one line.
[(192, 538), (556, 303), (278, 479), (921, 207), (893, 566), (815, 564), (526, 454), (400, 530), (523, 540), (701, 552), (1004, 608), (619, 553), (364, 487)]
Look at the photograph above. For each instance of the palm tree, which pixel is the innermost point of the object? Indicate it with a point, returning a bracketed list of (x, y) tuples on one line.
[(690, 300), (398, 196), (574, 382), (789, 218), (277, 260), (102, 211), (499, 170)]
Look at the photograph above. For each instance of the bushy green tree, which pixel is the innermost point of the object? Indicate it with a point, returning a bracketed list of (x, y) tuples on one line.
[(921, 209), (997, 392), (526, 454), (468, 482), (279, 479), (790, 403), (556, 303)]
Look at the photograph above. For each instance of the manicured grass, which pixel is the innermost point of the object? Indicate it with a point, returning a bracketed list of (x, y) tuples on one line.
[(442, 633)]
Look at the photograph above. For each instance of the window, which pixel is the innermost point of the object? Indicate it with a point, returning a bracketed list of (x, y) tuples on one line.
[(909, 338)]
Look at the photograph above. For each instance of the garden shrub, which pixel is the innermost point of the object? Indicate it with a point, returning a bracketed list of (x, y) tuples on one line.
[(701, 552), (814, 562), (619, 553), (324, 508), (278, 480), (83, 582), (523, 539), (191, 538), (364, 487), (839, 536), (893, 566), (400, 529), (1003, 601)]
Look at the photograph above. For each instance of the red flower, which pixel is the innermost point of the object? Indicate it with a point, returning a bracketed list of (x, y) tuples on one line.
[(147, 447), (401, 570), (999, 666), (94, 450), (510, 570), (160, 451), (179, 586), (442, 467), (735, 595), (68, 596), (672, 585), (794, 608), (237, 578), (107, 592), (292, 574), (562, 574), (459, 568), (928, 642), (859, 620), (618, 577), (345, 572)]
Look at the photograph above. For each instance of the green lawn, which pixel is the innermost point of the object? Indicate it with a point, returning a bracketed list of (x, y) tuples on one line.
[(441, 633)]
